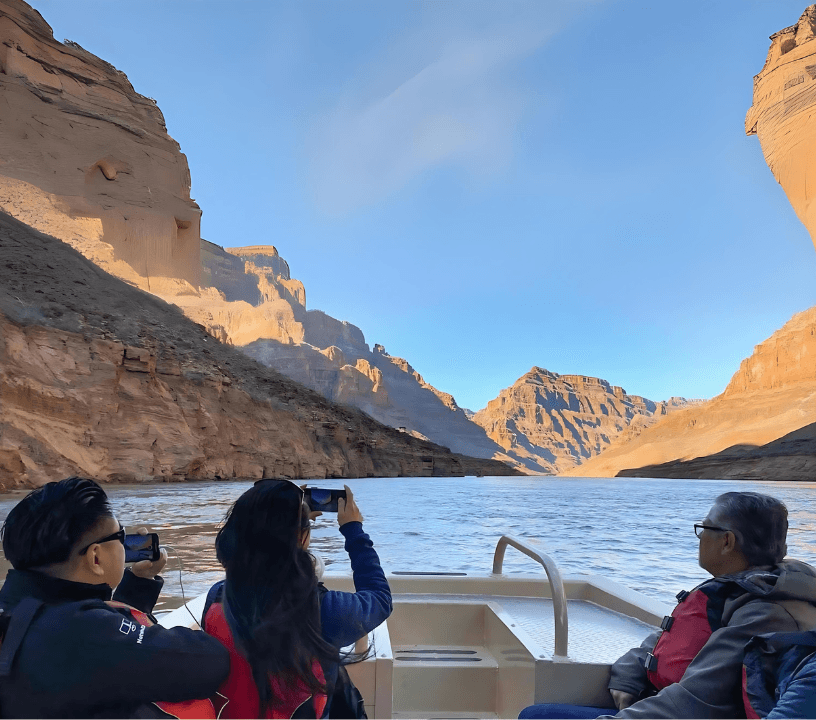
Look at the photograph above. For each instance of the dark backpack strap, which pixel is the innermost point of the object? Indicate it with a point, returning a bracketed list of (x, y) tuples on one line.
[(21, 618)]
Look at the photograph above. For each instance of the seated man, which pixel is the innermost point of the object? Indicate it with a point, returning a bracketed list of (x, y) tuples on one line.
[(692, 667), (66, 652), (780, 676)]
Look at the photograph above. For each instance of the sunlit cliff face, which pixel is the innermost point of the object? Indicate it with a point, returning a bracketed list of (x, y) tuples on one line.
[(88, 159), (782, 114)]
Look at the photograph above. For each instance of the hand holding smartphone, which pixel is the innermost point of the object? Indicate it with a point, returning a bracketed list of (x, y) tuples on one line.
[(142, 547), (323, 499)]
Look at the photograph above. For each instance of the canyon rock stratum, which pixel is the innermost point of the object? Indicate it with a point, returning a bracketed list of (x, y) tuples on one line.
[(102, 379), (763, 426), (88, 160), (559, 421), (781, 114), (740, 433)]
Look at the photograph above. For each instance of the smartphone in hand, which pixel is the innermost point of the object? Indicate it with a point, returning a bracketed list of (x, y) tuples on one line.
[(142, 547), (323, 499)]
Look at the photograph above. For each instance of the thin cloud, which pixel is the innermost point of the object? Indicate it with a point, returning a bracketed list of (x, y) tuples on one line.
[(459, 106)]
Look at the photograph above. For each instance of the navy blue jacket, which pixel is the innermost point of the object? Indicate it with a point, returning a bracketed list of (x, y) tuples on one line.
[(83, 658), (780, 675), (345, 617)]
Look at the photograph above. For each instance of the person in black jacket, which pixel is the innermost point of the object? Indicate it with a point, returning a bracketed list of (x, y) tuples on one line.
[(67, 652)]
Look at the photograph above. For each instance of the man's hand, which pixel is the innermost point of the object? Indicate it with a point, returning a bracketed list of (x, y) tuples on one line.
[(347, 510), (622, 699), (146, 568)]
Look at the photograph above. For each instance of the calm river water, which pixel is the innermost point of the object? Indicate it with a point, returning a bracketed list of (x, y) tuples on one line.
[(635, 531)]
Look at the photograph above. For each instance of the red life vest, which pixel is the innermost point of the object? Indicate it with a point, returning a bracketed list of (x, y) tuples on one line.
[(289, 695), (192, 709), (697, 615)]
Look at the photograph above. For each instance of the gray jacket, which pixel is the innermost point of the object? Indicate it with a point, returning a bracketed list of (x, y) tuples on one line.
[(780, 598)]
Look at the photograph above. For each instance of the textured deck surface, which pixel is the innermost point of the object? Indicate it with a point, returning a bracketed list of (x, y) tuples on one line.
[(596, 635)]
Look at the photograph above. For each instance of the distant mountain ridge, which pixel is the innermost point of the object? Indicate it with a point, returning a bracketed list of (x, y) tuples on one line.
[(554, 422)]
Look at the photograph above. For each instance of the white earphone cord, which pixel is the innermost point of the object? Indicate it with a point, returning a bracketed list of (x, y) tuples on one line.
[(181, 582)]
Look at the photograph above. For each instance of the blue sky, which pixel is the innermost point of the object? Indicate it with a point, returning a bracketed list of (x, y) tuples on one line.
[(484, 187)]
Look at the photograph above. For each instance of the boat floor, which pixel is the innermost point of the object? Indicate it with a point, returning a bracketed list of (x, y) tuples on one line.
[(596, 634)]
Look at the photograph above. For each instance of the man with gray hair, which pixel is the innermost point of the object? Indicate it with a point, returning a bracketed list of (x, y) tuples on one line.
[(692, 666)]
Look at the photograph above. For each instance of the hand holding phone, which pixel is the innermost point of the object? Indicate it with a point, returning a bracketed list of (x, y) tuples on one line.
[(323, 499), (142, 546), (348, 510), (142, 549)]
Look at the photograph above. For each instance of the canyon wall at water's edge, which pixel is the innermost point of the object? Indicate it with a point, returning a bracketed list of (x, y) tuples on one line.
[(781, 115), (763, 426), (101, 379), (88, 160), (772, 395), (99, 374)]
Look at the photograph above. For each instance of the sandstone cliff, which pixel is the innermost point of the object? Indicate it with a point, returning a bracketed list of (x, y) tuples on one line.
[(792, 458), (88, 159), (555, 422), (99, 378), (251, 301), (781, 115), (762, 425), (771, 395)]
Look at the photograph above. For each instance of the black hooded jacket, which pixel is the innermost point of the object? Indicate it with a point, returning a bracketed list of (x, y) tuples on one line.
[(80, 657)]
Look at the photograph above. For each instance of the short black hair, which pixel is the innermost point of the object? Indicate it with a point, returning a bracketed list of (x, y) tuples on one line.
[(45, 526), (760, 523)]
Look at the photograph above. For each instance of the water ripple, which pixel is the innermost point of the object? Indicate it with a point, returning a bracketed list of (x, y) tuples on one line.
[(636, 531)]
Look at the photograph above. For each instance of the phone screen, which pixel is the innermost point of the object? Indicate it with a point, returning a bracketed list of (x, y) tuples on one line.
[(141, 547), (323, 499)]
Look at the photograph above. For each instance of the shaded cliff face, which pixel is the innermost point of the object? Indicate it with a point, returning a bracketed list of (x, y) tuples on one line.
[(782, 114), (252, 302), (385, 387), (792, 458), (771, 395), (555, 422), (88, 159), (101, 379)]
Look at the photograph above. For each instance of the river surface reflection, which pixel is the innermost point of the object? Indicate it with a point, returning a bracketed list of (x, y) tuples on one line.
[(635, 531)]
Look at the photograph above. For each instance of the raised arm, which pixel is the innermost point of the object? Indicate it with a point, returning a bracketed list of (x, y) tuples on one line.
[(346, 617)]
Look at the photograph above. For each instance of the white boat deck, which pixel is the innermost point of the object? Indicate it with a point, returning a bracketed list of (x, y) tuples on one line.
[(479, 646), (596, 634)]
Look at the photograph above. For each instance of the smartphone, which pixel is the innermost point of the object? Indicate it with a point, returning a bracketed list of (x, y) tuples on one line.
[(142, 547), (323, 499)]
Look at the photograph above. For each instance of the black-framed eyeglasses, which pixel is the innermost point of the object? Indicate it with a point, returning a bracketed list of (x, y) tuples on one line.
[(699, 527), (118, 535)]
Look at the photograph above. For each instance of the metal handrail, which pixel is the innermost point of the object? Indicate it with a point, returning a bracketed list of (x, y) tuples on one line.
[(559, 597)]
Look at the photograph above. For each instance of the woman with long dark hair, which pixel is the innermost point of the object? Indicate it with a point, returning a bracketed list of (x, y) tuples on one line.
[(283, 631)]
